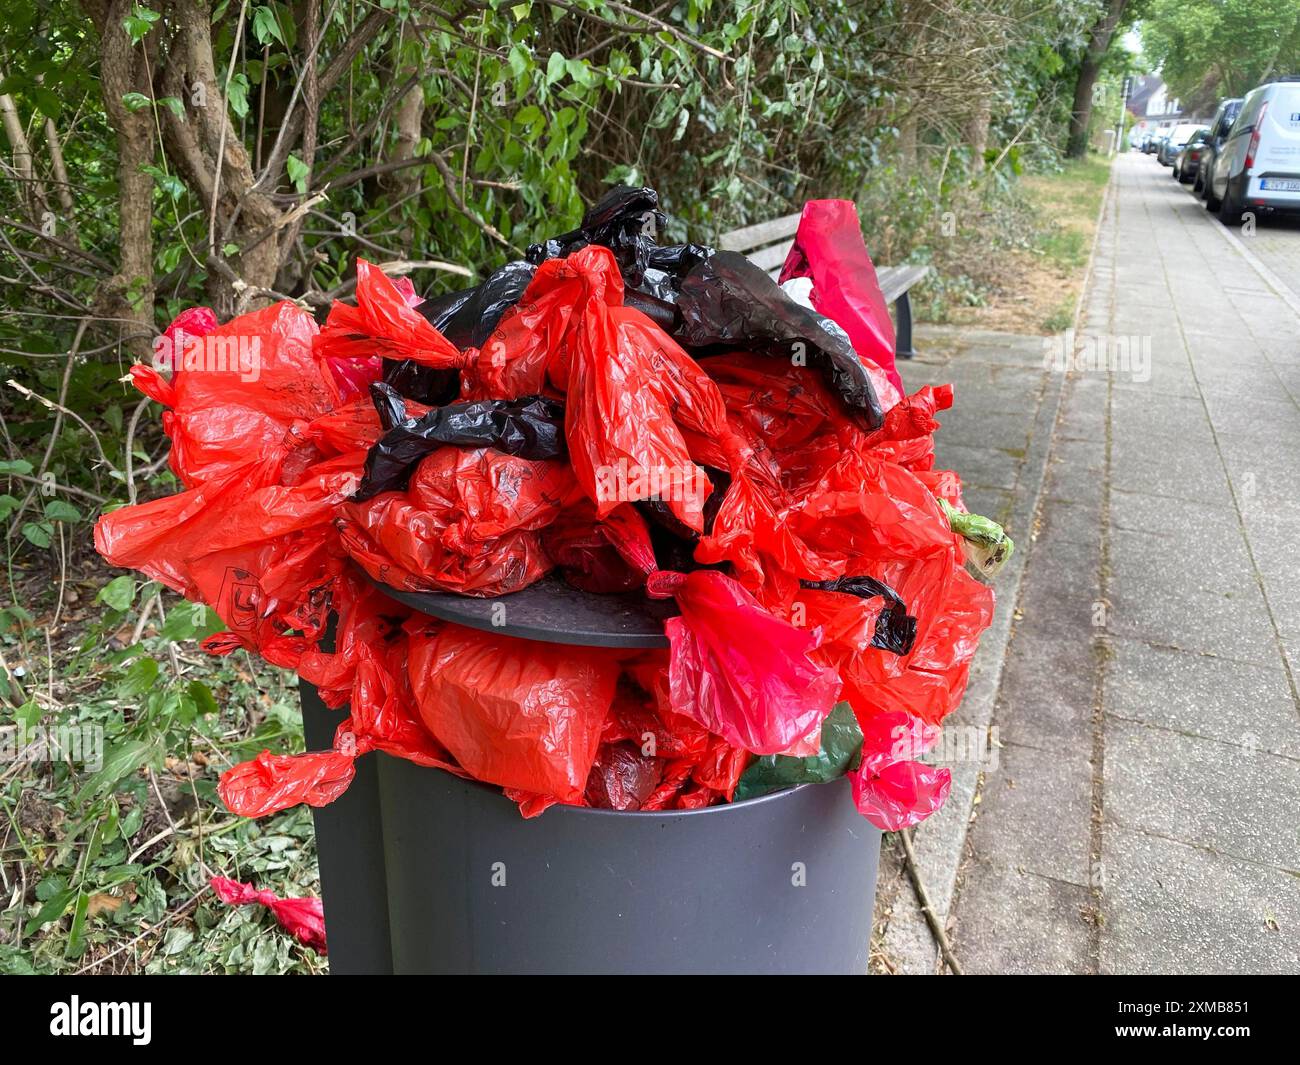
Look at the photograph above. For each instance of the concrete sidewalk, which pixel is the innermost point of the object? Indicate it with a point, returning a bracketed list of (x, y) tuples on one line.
[(1142, 812)]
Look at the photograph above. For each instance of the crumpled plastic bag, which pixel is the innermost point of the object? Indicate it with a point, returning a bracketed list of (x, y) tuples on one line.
[(517, 713), (891, 789), (471, 522), (741, 672), (304, 919), (828, 248), (728, 300), (531, 427), (839, 751)]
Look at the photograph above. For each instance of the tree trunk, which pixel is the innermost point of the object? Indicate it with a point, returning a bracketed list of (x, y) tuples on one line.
[(1098, 44), (129, 294)]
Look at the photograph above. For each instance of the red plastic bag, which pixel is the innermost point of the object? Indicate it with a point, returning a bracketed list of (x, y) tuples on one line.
[(828, 248), (744, 674), (237, 390), (471, 522), (304, 919), (384, 322), (518, 713), (631, 392), (890, 788)]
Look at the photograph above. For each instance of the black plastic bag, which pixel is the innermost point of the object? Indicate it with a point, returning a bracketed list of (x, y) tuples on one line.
[(531, 427), (627, 221), (467, 319), (895, 628), (727, 300)]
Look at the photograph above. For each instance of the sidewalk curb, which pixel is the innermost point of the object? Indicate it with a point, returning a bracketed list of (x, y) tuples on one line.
[(940, 842)]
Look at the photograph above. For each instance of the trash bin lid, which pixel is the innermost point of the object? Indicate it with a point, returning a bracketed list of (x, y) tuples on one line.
[(552, 611)]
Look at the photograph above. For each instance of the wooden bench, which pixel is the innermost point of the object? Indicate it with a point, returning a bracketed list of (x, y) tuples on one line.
[(768, 243)]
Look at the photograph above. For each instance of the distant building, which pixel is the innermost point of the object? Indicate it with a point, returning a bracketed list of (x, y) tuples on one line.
[(1150, 105)]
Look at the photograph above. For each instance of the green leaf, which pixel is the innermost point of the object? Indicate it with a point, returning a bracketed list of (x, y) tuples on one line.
[(59, 510), (21, 466), (120, 761), (203, 698), (136, 101), (117, 594), (131, 822), (39, 533), (840, 750), (139, 23), (54, 908), (139, 678), (169, 183), (237, 95), (298, 171), (174, 105), (554, 68), (76, 934), (46, 100), (266, 27)]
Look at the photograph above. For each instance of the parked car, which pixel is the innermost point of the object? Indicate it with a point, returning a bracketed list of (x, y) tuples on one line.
[(1188, 161), (1220, 126), (1259, 166), (1153, 143), (1173, 144)]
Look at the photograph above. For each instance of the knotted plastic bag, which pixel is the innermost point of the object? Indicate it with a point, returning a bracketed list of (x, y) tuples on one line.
[(517, 713), (304, 919), (891, 789)]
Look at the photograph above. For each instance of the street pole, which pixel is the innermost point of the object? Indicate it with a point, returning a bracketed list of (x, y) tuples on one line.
[(1119, 125)]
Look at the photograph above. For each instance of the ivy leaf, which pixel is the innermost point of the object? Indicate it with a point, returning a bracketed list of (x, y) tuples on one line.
[(237, 95), (117, 594), (297, 173), (139, 23), (266, 27), (58, 510)]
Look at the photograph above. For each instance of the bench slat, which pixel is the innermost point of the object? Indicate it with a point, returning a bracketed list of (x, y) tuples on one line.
[(751, 237), (895, 280), (772, 257)]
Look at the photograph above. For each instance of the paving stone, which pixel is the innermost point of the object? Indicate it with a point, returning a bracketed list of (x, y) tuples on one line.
[(1188, 472), (1047, 692), (1036, 811), (1217, 698), (1229, 798), (1234, 623), (1170, 908), (1139, 512), (985, 466), (1027, 924), (1209, 557)]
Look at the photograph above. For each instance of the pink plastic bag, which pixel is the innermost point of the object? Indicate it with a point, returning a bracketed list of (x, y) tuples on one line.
[(829, 249)]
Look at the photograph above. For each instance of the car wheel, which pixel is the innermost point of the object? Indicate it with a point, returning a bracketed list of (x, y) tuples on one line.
[(1229, 208), (1211, 200), (1198, 188)]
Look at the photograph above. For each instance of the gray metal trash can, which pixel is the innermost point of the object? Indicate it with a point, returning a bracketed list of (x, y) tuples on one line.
[(423, 872)]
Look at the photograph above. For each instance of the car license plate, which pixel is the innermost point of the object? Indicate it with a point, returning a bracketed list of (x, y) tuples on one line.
[(1279, 185)]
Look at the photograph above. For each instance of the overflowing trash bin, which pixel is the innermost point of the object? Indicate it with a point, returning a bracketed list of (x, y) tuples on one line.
[(632, 540)]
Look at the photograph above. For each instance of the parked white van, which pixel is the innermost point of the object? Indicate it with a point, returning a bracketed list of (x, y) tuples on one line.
[(1258, 168)]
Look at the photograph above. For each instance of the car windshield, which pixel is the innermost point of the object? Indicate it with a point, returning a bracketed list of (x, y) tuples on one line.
[(1182, 134)]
